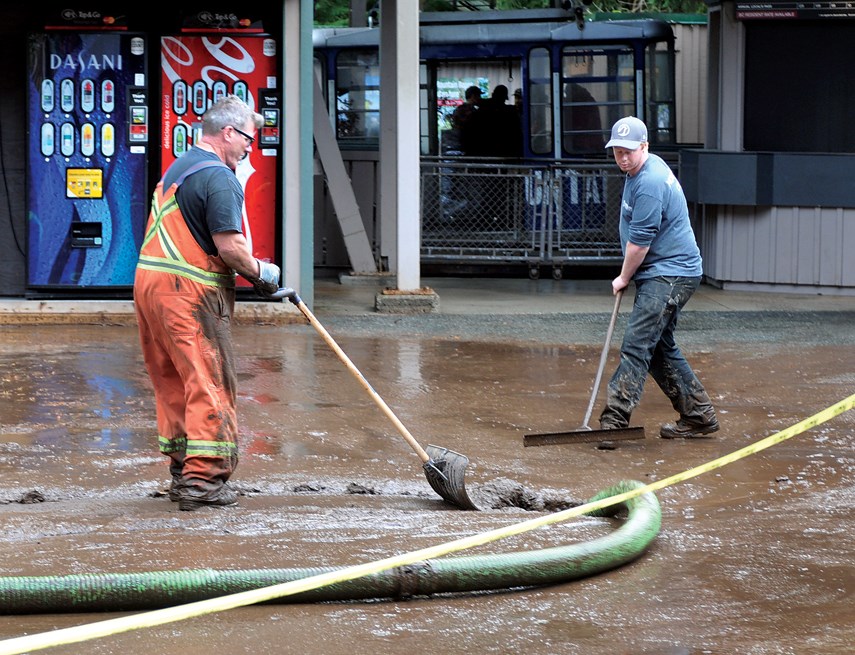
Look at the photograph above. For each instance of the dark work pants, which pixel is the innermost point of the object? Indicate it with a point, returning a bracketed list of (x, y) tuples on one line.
[(649, 347)]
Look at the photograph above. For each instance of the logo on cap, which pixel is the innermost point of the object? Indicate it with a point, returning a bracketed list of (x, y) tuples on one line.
[(623, 130)]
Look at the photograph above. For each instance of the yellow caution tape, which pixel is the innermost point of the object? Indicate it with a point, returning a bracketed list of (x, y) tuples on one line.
[(76, 634)]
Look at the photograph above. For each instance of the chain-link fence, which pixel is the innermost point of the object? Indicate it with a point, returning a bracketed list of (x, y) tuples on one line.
[(552, 215)]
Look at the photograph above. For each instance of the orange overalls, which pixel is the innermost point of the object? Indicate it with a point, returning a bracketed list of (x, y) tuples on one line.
[(184, 301)]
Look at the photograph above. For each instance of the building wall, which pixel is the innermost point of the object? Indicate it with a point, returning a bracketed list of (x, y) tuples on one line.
[(13, 146), (691, 79), (799, 248), (779, 248)]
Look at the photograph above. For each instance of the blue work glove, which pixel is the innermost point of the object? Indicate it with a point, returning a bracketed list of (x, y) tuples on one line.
[(267, 282)]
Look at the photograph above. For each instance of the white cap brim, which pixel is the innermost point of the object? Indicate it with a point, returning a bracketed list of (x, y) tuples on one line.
[(623, 143)]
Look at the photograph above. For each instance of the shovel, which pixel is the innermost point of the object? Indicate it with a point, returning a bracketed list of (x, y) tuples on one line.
[(585, 433), (444, 468)]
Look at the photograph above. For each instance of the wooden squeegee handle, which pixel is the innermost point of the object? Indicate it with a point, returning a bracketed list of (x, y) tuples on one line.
[(365, 384)]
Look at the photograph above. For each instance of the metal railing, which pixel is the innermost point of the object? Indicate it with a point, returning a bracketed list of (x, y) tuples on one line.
[(544, 214)]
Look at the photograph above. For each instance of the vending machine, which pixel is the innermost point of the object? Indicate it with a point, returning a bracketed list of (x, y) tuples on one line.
[(217, 54), (87, 155)]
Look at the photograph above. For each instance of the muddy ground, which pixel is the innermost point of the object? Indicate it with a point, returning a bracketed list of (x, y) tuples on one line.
[(753, 558)]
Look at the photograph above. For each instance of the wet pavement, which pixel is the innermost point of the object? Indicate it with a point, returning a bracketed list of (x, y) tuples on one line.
[(754, 557)]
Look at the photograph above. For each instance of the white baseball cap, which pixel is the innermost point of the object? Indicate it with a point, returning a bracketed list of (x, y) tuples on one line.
[(629, 133)]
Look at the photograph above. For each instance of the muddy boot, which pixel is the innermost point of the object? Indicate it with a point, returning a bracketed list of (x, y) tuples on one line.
[(612, 419), (175, 469), (619, 405), (192, 497), (697, 416), (684, 429), (173, 488)]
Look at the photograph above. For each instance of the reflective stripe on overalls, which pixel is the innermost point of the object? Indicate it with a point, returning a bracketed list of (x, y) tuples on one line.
[(170, 257), (184, 300)]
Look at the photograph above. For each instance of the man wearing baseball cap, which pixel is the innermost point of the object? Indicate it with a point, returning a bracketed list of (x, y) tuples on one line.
[(661, 256)]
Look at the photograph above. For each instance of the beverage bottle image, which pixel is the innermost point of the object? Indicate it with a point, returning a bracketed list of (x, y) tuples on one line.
[(241, 91), (66, 144), (66, 95), (87, 139), (200, 98), (87, 96), (47, 139), (219, 91), (47, 96), (179, 140), (179, 98), (108, 140), (108, 96)]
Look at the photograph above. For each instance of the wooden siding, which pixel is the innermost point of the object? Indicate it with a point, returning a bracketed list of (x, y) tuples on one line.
[(691, 80), (800, 248)]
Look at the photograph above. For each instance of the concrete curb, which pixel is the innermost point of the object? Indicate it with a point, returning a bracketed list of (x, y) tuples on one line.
[(121, 312), (393, 301)]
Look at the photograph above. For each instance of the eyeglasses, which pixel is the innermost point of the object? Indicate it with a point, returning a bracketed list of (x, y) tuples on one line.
[(249, 139)]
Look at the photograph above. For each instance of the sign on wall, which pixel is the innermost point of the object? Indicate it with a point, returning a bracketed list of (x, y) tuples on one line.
[(794, 10)]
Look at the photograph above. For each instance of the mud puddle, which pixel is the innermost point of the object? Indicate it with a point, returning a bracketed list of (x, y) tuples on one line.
[(753, 558)]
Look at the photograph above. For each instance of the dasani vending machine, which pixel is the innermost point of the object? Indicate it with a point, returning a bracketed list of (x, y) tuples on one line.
[(88, 129)]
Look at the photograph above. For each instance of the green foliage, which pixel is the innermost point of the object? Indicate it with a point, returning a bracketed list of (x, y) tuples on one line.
[(524, 4), (336, 13), (651, 6), (436, 5), (332, 13), (631, 6)]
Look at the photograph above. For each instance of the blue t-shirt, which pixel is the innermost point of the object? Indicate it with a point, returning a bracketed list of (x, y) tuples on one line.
[(654, 213), (211, 200)]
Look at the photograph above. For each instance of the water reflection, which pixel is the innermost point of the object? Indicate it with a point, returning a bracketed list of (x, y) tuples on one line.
[(409, 370), (60, 400)]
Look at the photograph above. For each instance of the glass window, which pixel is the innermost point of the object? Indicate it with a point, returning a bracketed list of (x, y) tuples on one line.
[(318, 68), (358, 97), (799, 82), (661, 113), (425, 136), (597, 88), (453, 77), (540, 101)]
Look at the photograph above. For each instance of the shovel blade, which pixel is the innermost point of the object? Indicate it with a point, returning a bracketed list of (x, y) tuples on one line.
[(445, 471), (583, 436)]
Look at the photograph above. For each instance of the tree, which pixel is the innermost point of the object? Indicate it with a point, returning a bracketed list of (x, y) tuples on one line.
[(630, 6), (332, 13), (336, 13)]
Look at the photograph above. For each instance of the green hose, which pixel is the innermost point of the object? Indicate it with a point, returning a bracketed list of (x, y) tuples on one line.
[(115, 592)]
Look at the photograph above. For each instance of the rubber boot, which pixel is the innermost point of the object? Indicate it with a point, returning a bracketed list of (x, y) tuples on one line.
[(176, 465)]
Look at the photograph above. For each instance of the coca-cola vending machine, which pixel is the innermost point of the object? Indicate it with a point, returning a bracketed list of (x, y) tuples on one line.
[(216, 54), (87, 153)]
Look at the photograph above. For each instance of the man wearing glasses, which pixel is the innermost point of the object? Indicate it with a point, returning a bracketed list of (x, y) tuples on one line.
[(184, 295)]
